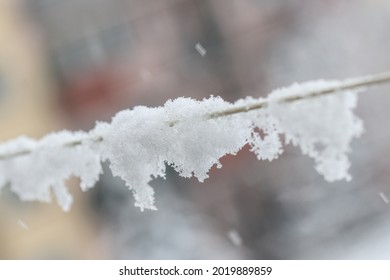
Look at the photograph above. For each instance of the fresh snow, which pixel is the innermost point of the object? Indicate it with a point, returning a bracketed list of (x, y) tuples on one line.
[(201, 50), (138, 143)]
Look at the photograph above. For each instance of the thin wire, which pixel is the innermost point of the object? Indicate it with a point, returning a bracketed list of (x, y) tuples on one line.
[(348, 84), (344, 85)]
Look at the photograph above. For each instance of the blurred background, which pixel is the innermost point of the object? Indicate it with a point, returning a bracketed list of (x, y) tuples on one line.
[(66, 64)]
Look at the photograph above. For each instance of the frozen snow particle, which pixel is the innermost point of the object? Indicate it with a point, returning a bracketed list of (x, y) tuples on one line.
[(235, 238), (22, 225), (384, 197), (201, 50)]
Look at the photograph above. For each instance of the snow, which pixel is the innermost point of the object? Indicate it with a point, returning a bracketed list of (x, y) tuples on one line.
[(138, 143), (235, 238), (49, 164), (384, 197), (201, 50), (321, 127), (22, 225)]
